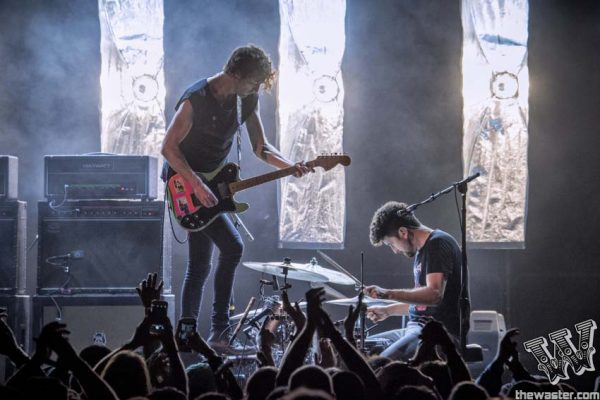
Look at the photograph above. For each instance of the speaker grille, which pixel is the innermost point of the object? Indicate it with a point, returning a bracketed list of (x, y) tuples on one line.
[(117, 244)]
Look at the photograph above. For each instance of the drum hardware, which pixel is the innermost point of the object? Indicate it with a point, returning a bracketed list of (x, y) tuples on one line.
[(242, 320)]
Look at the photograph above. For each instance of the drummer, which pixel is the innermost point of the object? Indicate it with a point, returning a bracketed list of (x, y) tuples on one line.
[(436, 269)]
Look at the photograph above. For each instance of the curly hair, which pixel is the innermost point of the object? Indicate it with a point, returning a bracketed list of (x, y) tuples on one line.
[(251, 61), (386, 221)]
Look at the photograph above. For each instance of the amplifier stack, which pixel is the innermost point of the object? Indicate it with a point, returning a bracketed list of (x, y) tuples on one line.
[(100, 233), (13, 228), (13, 244)]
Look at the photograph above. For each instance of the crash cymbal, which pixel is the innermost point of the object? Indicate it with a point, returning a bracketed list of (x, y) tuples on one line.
[(367, 301), (331, 275), (334, 276), (294, 271)]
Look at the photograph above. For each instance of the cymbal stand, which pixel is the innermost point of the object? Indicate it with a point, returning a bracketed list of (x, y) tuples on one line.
[(357, 283)]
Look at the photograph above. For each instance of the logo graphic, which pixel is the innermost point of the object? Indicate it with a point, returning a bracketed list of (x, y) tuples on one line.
[(565, 353)]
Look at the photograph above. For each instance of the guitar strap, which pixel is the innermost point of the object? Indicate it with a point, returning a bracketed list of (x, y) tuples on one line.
[(239, 131)]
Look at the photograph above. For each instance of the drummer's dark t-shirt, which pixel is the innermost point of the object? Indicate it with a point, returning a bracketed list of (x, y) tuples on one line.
[(440, 253)]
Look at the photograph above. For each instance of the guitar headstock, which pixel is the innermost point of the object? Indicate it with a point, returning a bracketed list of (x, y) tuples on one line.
[(328, 161)]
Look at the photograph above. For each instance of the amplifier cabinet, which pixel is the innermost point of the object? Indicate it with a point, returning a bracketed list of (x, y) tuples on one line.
[(103, 246), (77, 177), (9, 177), (13, 243)]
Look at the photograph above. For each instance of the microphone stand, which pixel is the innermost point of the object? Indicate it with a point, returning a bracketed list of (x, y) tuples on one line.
[(464, 301), (239, 224)]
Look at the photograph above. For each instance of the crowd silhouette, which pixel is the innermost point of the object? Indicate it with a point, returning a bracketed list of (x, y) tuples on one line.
[(150, 366)]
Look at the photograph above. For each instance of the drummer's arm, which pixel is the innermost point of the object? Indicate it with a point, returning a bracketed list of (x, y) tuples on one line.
[(397, 309), (431, 294)]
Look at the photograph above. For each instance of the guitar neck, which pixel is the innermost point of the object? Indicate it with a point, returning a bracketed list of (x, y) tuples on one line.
[(260, 179)]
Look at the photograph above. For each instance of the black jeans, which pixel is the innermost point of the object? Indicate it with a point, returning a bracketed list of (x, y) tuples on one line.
[(222, 234)]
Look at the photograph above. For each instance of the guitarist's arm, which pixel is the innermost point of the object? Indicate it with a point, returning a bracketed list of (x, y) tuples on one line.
[(178, 129), (265, 150)]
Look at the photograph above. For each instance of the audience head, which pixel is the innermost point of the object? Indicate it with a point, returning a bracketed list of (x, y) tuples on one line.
[(200, 380), (277, 393), (439, 372), (468, 390), (261, 383), (167, 393), (127, 374), (397, 374), (312, 377), (416, 393), (93, 354), (212, 396), (348, 386), (304, 393)]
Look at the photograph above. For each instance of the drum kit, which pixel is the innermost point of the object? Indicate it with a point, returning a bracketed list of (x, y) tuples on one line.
[(248, 323)]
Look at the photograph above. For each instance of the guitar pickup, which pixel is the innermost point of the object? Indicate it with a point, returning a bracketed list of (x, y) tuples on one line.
[(223, 189)]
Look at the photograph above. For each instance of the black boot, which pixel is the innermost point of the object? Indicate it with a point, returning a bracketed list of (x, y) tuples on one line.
[(219, 338)]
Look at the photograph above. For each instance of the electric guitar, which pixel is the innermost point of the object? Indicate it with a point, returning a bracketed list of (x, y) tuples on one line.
[(224, 183)]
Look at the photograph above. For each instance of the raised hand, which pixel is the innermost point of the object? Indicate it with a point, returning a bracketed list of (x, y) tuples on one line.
[(352, 317), (293, 311), (199, 345), (434, 332), (314, 298), (142, 335), (507, 348), (42, 349), (376, 292), (159, 367), (325, 358), (148, 289), (377, 314), (266, 338), (8, 342), (57, 340)]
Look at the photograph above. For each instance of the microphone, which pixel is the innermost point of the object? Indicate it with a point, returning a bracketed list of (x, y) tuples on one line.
[(73, 255), (471, 177), (263, 313)]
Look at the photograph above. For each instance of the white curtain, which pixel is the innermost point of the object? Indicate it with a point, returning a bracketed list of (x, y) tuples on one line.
[(310, 118), (132, 76), (496, 114)]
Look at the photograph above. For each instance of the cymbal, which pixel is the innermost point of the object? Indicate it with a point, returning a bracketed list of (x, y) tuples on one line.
[(334, 276), (294, 271), (367, 301), (331, 275)]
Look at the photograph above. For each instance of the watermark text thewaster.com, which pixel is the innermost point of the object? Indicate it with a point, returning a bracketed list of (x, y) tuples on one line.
[(556, 365)]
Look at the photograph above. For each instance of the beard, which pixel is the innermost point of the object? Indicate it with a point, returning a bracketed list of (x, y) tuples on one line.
[(412, 251)]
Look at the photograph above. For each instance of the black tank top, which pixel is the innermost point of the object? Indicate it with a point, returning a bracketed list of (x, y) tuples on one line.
[(211, 136)]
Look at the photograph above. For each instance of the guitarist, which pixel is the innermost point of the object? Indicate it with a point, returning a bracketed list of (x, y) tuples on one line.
[(199, 139)]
